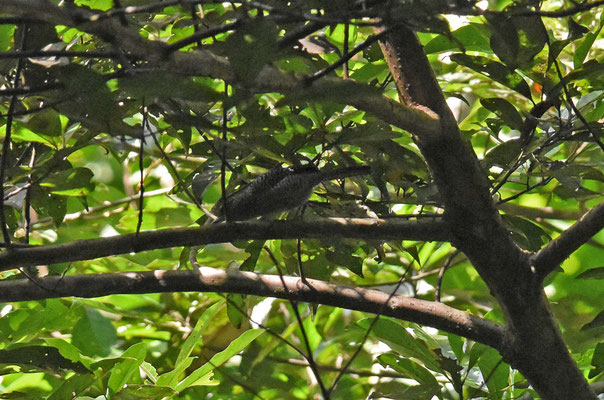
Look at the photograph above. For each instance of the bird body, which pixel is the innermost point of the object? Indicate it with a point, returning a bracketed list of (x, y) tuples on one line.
[(281, 189)]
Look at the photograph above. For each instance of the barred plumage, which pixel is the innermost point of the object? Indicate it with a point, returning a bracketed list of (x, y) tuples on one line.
[(281, 189)]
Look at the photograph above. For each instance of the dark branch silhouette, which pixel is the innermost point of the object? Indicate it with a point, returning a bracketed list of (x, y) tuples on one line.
[(221, 233), (424, 312), (552, 255)]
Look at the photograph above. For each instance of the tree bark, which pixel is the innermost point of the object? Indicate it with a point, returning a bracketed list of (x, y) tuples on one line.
[(534, 344)]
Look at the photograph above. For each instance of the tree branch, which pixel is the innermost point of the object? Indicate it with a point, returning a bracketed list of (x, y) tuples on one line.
[(204, 63), (436, 315), (58, 53), (534, 343), (552, 255), (539, 212), (221, 233)]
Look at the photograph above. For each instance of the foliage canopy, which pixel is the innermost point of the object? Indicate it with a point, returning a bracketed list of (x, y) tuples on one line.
[(133, 116)]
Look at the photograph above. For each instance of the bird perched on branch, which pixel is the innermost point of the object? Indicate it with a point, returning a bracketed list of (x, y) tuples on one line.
[(280, 189)]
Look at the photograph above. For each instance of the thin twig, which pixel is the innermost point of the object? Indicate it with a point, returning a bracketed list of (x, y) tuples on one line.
[(215, 150), (197, 36), (19, 20), (236, 381), (196, 20), (141, 158), (300, 264), (560, 13), (197, 266), (366, 336), (291, 37), (345, 49), (347, 56), (176, 175), (223, 194), (574, 107), (7, 142), (543, 182), (308, 356), (487, 379), (364, 373), (26, 90), (441, 273), (27, 205)]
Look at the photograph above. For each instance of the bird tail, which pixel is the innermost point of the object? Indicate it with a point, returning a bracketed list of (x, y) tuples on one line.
[(348, 172)]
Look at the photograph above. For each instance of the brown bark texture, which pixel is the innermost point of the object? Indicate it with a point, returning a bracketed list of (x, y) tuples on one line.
[(533, 343)]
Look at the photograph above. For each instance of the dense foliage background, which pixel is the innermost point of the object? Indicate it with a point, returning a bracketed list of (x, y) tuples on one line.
[(100, 140)]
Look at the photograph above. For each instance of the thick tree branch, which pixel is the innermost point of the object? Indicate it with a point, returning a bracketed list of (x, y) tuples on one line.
[(88, 249), (534, 344), (552, 255), (436, 315)]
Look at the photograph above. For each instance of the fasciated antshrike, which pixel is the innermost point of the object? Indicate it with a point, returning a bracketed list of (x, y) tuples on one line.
[(280, 189)]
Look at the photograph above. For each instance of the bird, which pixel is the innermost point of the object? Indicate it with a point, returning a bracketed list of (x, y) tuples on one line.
[(280, 189)]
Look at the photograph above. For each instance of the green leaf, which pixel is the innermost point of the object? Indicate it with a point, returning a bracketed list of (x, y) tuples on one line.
[(396, 336), (254, 249), (144, 392), (170, 379), (504, 154), (89, 95), (578, 171), (6, 36), (53, 316), (504, 110), (102, 5), (583, 48), (516, 39), (410, 369), (41, 357), (236, 309), (472, 37), (165, 85), (590, 69), (123, 371), (370, 132), (150, 371), (597, 361), (504, 39), (456, 343), (329, 91), (68, 350), (93, 334), (183, 360), (494, 70), (45, 122), (494, 372), (77, 383), (597, 322), (71, 182), (345, 259), (555, 48), (370, 71), (194, 338), (593, 273), (198, 376), (310, 327), (251, 47), (392, 390), (575, 30), (529, 235)]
